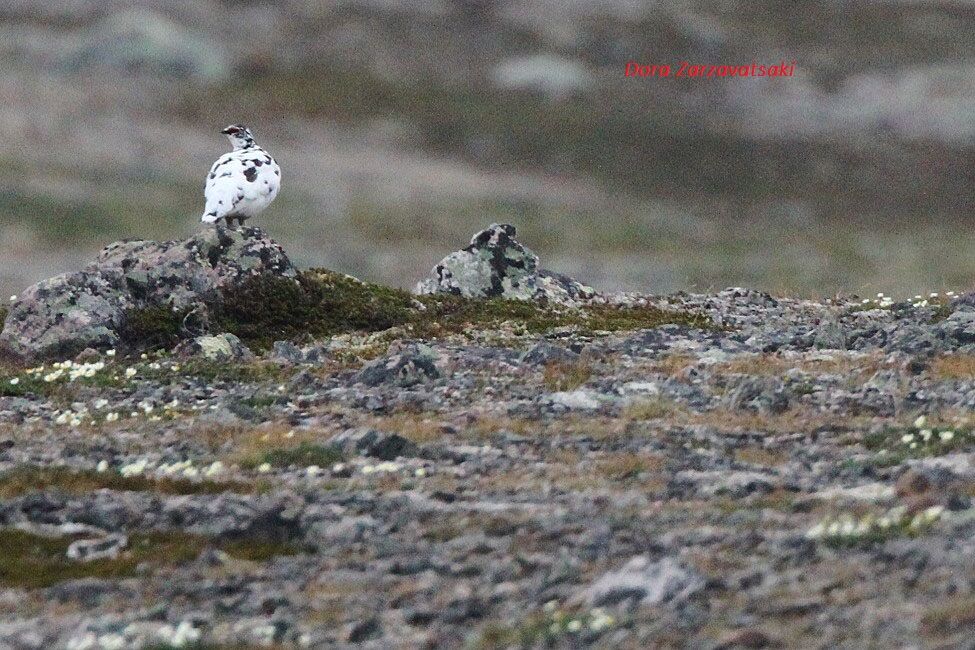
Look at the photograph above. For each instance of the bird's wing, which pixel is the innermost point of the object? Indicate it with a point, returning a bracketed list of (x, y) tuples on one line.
[(258, 173), (224, 186)]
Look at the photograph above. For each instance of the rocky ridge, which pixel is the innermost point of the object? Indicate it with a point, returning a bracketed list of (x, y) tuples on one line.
[(743, 470)]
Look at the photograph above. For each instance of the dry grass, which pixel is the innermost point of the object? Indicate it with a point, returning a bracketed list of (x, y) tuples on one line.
[(651, 408), (775, 365), (759, 456), (26, 480), (953, 366), (625, 466), (415, 428), (949, 617), (566, 376)]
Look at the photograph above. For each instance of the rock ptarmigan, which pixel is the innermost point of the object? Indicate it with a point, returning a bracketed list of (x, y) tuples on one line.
[(242, 182)]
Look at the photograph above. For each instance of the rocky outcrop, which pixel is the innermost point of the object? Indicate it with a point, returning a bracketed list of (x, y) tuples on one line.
[(64, 315), (496, 265)]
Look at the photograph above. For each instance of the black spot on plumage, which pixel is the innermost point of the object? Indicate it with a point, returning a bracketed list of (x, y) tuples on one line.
[(277, 172), (258, 163), (250, 174), (212, 176)]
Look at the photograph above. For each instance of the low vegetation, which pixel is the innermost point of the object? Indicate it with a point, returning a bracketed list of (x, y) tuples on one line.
[(921, 439), (150, 328), (322, 303), (31, 561), (27, 480), (305, 454)]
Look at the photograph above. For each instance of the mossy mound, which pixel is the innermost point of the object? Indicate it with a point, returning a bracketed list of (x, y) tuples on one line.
[(316, 304), (32, 561), (321, 303), (29, 480), (150, 328)]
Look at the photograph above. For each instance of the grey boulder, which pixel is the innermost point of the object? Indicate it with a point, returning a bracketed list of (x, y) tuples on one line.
[(59, 317), (413, 365), (641, 581), (496, 265)]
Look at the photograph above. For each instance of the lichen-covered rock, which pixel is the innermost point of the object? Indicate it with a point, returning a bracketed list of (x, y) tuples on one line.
[(222, 347), (413, 365), (59, 317), (370, 442), (496, 265)]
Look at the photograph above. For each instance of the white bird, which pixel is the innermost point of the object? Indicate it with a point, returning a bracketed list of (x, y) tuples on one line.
[(242, 182)]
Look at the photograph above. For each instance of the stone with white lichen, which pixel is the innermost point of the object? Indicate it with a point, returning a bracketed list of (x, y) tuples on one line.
[(496, 265), (61, 316)]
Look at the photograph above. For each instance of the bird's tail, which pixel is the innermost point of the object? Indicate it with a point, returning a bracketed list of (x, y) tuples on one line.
[(209, 218)]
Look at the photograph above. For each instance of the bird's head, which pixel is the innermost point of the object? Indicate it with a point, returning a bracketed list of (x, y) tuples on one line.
[(239, 135)]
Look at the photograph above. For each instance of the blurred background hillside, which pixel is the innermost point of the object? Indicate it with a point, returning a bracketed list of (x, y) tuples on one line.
[(403, 126)]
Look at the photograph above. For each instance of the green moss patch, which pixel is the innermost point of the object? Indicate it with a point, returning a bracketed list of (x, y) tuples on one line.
[(26, 480), (322, 303), (150, 328), (894, 445), (267, 308), (3, 316), (32, 561), (303, 455)]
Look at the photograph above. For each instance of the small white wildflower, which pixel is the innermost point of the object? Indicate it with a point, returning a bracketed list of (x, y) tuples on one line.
[(600, 621), (946, 436), (134, 469), (110, 353), (191, 472), (130, 372), (920, 422), (933, 294), (75, 421), (907, 438), (15, 381), (174, 367), (112, 417), (313, 470), (368, 469), (880, 295), (102, 466), (290, 434), (144, 356), (155, 366), (264, 468), (101, 403), (550, 606), (554, 628), (13, 298), (574, 625), (216, 467), (61, 419), (913, 445), (420, 472), (865, 301), (926, 434), (933, 513), (816, 531)]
